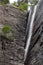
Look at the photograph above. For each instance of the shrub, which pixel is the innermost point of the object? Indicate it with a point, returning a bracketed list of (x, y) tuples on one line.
[(23, 6), (4, 1)]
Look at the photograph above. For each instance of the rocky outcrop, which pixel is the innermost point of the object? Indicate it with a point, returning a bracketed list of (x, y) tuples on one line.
[(13, 51)]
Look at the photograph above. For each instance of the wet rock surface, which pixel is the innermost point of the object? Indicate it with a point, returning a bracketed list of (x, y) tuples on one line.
[(35, 55), (13, 52)]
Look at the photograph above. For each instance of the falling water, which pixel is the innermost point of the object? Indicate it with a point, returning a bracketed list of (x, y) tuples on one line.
[(30, 32)]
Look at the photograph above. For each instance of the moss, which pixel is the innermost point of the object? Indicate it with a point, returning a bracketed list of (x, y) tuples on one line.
[(6, 29), (6, 32)]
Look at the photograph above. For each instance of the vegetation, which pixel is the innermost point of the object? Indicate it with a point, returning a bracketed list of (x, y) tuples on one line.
[(21, 6), (6, 32), (4, 1), (6, 29)]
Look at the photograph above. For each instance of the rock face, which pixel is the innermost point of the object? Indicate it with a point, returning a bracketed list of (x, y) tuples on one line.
[(13, 52), (35, 55)]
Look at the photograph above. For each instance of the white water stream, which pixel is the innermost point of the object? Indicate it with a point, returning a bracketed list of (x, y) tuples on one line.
[(30, 30), (30, 33)]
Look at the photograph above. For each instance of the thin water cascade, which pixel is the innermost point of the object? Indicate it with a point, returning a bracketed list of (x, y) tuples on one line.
[(30, 32)]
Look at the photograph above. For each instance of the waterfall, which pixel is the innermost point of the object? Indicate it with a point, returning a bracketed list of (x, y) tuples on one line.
[(30, 32)]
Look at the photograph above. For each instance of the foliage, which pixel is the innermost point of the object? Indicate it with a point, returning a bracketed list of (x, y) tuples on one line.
[(4, 1), (6, 29), (20, 5), (23, 6)]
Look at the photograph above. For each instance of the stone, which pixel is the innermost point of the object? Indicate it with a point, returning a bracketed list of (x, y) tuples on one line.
[(14, 50)]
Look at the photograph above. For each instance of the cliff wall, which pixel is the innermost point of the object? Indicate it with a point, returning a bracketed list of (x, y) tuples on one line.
[(13, 54)]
